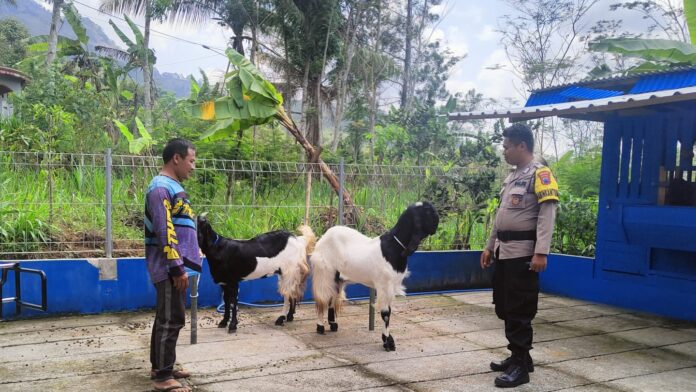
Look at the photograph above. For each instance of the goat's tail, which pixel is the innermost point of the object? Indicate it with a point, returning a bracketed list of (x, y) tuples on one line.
[(310, 240), (309, 237)]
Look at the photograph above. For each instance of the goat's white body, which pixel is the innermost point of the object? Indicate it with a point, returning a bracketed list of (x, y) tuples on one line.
[(286, 260), (358, 259), (293, 267)]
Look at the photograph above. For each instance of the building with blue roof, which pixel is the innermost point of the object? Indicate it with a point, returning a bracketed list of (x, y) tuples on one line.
[(646, 225)]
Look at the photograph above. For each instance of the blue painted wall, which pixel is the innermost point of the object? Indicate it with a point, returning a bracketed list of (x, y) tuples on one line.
[(74, 285), (577, 277)]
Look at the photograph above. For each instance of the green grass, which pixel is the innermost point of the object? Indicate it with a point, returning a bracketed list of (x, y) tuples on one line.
[(61, 212)]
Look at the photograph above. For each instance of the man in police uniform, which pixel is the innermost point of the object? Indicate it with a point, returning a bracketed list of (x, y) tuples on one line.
[(519, 244)]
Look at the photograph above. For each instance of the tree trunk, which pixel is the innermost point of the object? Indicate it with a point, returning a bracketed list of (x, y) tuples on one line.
[(313, 156), (53, 32), (407, 55), (313, 112), (305, 96), (372, 99), (147, 74), (354, 19)]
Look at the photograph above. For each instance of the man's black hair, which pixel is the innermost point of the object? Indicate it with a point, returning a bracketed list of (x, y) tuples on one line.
[(176, 146), (518, 133)]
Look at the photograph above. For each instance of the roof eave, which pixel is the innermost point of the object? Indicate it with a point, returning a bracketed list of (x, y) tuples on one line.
[(573, 109)]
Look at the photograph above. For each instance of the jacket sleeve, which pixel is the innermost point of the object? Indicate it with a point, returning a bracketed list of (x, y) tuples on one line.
[(159, 205), (491, 239), (545, 224)]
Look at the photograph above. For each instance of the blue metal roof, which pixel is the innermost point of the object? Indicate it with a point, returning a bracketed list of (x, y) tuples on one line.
[(569, 94), (583, 93), (612, 87), (671, 81)]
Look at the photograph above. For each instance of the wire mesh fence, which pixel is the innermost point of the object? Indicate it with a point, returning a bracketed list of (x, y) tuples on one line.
[(54, 205)]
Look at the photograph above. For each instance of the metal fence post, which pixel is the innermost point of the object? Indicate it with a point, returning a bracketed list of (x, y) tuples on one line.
[(194, 308), (109, 245)]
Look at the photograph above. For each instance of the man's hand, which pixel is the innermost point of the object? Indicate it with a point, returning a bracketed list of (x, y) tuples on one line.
[(485, 258), (538, 263), (181, 282)]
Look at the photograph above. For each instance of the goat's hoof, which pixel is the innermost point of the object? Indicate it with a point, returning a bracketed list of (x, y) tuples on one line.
[(232, 328), (320, 329), (280, 320), (334, 327), (223, 323), (291, 317), (388, 343)]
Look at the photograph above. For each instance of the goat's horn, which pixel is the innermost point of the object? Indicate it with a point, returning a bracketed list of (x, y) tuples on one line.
[(203, 214)]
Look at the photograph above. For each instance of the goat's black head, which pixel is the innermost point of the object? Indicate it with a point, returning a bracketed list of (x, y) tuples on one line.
[(422, 220), (206, 234)]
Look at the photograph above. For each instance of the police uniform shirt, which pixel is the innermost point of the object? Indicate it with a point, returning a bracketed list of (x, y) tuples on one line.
[(528, 201)]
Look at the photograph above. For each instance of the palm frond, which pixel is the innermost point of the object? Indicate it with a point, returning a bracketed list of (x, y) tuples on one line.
[(281, 66), (119, 7), (114, 53), (191, 11)]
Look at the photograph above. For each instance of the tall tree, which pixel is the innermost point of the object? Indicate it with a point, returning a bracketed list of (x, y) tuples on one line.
[(541, 42), (309, 29), (408, 43), (171, 10), (53, 32), (12, 46)]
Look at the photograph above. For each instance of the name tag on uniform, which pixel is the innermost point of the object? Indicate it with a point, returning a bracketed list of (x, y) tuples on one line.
[(521, 183)]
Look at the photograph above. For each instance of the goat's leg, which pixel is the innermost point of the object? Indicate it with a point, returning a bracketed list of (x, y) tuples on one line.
[(332, 315), (320, 317), (333, 305), (226, 299), (286, 306), (291, 313), (384, 304), (234, 294), (387, 339)]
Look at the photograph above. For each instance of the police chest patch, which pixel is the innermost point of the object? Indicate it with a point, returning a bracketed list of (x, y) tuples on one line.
[(516, 200)]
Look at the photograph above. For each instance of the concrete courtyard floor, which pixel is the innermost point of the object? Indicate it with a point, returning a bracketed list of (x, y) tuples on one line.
[(444, 343)]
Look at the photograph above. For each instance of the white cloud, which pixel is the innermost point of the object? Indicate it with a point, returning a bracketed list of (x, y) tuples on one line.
[(488, 34), (498, 84)]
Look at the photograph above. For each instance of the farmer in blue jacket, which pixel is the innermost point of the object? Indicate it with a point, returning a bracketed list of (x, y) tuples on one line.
[(171, 246)]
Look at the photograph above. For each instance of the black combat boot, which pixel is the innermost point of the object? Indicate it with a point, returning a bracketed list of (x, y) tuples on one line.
[(516, 374), (502, 366)]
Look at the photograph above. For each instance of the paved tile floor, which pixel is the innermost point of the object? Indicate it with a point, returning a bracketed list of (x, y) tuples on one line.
[(444, 343)]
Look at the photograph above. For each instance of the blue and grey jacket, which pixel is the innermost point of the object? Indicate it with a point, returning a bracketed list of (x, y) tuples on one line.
[(171, 241)]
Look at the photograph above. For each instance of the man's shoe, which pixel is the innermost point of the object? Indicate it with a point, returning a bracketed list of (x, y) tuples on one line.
[(504, 364), (514, 375)]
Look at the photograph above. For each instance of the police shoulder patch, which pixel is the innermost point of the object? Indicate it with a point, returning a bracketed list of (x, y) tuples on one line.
[(545, 185)]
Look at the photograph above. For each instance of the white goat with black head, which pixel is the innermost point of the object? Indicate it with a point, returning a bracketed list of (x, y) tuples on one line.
[(273, 253), (344, 255)]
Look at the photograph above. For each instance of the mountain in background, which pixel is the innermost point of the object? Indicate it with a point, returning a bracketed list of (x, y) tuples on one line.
[(38, 21)]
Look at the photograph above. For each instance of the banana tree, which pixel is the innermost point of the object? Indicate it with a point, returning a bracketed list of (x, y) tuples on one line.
[(253, 101), (135, 146), (658, 54)]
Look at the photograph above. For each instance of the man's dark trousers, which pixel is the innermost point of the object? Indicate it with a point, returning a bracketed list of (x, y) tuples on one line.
[(516, 295), (169, 320)]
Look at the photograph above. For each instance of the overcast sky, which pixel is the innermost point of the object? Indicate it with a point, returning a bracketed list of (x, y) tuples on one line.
[(468, 27)]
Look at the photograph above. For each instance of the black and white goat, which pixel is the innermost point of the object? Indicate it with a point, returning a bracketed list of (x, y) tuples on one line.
[(277, 252), (344, 255)]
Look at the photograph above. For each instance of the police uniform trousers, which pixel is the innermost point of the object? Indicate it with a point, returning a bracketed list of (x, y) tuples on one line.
[(516, 295)]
